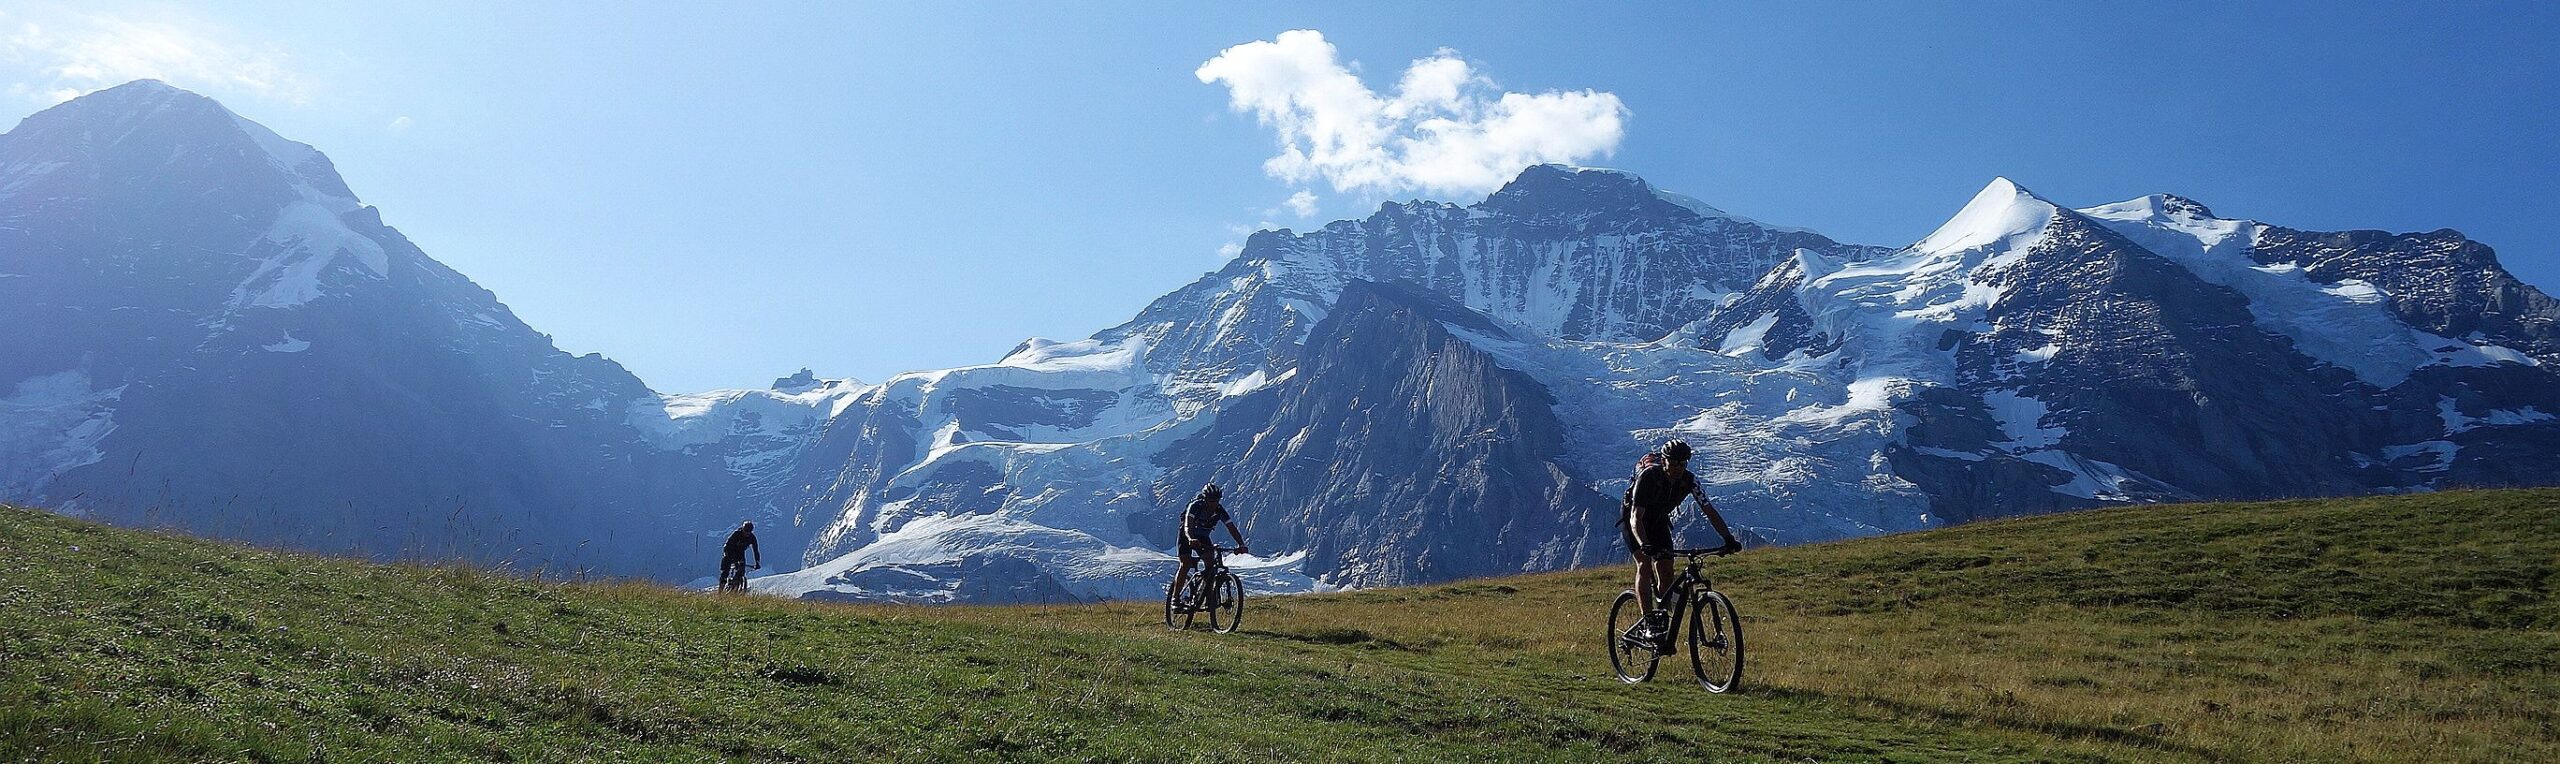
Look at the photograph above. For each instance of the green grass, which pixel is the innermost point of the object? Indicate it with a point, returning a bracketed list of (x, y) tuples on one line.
[(2420, 628)]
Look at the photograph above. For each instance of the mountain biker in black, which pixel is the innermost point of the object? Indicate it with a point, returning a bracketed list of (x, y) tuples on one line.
[(1205, 514), (733, 557), (1659, 490)]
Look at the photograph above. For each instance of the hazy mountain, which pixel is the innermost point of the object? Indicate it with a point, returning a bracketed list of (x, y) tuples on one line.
[(208, 329)]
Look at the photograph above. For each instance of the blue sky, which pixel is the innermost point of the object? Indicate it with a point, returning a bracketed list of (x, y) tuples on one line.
[(719, 196)]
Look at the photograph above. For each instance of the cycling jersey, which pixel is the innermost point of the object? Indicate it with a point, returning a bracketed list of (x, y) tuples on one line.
[(1204, 515)]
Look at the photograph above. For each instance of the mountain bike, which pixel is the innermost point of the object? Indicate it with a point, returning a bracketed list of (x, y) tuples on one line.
[(733, 578), (1715, 630), (1214, 590)]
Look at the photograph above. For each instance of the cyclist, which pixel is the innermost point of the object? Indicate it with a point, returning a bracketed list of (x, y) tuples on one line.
[(733, 557), (1205, 514), (1659, 490)]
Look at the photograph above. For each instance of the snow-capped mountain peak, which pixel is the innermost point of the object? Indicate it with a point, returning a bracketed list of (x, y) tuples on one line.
[(1998, 217), (1433, 390), (2153, 207)]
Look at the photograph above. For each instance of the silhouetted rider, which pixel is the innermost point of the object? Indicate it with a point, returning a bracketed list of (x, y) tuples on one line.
[(1205, 514), (733, 558)]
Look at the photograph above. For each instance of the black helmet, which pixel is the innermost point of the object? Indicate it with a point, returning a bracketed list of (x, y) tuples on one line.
[(747, 526), (1211, 491), (1676, 450)]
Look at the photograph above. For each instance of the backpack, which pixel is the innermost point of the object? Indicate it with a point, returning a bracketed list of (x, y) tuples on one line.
[(1627, 503)]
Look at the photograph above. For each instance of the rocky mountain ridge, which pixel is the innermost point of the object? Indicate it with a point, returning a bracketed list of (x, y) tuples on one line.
[(1433, 391)]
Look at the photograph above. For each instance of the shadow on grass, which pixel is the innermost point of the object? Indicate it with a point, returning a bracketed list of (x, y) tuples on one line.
[(1335, 636), (2136, 737)]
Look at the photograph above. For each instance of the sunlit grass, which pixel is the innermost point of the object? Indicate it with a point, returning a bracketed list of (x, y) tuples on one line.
[(2394, 629)]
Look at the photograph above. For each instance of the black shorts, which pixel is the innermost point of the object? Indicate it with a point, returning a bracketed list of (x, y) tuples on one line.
[(1192, 544), (1647, 533)]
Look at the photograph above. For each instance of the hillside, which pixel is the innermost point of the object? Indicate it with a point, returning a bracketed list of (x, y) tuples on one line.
[(2414, 628)]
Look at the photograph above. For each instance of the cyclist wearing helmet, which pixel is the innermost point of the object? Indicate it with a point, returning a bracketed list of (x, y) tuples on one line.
[(1204, 515), (733, 557), (1659, 490)]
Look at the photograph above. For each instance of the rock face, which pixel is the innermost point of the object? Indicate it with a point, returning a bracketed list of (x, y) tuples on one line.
[(209, 330), (1397, 452), (1564, 252), (1103, 439), (1442, 391), (2048, 358)]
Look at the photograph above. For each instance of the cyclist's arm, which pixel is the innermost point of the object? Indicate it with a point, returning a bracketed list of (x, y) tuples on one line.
[(1715, 518), (759, 550), (1236, 534)]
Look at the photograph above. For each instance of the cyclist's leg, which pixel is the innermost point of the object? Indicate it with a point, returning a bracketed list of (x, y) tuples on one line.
[(1644, 564), (1189, 558), (1649, 536), (1644, 581)]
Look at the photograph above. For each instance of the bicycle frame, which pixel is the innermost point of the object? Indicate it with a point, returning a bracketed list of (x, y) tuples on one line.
[(1213, 569), (1678, 602)]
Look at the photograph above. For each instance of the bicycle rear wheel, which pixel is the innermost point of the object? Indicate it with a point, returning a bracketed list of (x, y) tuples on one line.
[(1226, 607), (1631, 657), (1715, 641)]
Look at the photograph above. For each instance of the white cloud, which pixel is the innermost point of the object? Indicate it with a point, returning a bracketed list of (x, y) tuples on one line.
[(400, 124), (1445, 129), (1303, 202), (57, 58), (1229, 250)]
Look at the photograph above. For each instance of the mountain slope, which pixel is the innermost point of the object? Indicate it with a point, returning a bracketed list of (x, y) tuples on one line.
[(2387, 629), (1089, 445), (1432, 391), (200, 307), (2038, 358), (2023, 358), (1395, 452)]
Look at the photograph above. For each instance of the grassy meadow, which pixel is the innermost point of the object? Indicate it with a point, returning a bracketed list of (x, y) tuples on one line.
[(2411, 628)]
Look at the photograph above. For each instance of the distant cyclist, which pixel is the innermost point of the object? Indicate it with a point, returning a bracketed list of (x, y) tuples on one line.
[(1205, 514), (733, 558), (1660, 487)]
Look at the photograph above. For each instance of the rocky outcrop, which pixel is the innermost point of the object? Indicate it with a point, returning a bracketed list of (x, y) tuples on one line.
[(1398, 453), (1562, 252)]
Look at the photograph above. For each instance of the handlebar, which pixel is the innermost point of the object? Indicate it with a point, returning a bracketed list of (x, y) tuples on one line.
[(1697, 553)]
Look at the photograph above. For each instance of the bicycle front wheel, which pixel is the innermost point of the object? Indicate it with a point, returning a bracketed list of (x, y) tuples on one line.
[(1715, 642), (1226, 611), (1631, 653)]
